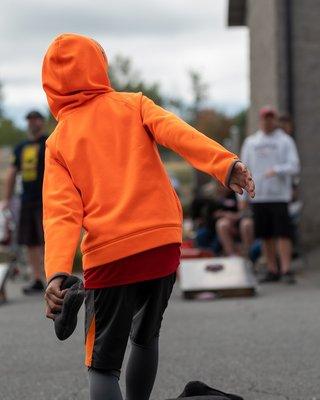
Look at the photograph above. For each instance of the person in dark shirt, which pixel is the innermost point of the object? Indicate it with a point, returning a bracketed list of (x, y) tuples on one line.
[(28, 160), (201, 210), (215, 208), (227, 220), (219, 223)]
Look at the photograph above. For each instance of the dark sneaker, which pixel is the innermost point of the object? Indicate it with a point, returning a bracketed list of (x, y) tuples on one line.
[(66, 321), (269, 278), (200, 391), (35, 288), (289, 278)]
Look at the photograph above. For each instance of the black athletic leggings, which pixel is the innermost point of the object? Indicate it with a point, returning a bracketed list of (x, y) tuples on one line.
[(140, 375)]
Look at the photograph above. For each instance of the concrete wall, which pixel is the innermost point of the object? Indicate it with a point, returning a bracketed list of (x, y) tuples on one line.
[(268, 75), (267, 57), (306, 77)]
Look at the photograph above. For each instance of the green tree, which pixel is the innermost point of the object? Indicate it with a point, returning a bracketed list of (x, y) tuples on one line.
[(10, 135), (1, 101), (199, 90), (125, 78), (51, 123), (214, 124), (240, 120)]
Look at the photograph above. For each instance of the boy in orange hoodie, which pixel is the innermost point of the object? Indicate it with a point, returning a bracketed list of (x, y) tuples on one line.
[(103, 174)]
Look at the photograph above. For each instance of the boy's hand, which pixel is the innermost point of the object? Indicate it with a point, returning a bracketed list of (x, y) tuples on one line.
[(54, 297), (240, 179)]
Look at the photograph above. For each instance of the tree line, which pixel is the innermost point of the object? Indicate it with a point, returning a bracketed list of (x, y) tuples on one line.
[(124, 77)]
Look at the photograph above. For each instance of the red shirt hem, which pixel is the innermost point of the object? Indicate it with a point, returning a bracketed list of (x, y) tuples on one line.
[(150, 264)]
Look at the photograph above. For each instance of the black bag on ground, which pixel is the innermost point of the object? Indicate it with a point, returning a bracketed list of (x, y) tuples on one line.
[(200, 391)]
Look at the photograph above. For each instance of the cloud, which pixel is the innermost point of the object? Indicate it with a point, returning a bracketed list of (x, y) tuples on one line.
[(122, 18), (164, 38)]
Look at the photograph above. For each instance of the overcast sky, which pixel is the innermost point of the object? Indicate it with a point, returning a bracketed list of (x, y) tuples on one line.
[(163, 38)]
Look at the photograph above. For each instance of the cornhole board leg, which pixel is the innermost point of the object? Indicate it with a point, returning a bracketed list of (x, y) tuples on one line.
[(223, 276), (4, 274)]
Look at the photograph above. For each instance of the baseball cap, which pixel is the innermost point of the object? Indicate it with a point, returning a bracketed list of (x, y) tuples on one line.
[(267, 111), (34, 114)]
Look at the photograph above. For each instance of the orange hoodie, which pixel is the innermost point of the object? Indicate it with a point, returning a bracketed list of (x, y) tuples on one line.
[(103, 172)]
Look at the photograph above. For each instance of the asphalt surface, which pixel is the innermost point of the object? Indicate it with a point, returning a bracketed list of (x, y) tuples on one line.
[(263, 348)]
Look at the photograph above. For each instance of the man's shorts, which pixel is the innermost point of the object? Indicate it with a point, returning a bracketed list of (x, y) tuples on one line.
[(272, 220), (30, 228), (113, 314)]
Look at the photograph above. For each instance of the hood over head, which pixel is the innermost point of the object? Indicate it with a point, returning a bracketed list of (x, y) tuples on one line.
[(74, 70)]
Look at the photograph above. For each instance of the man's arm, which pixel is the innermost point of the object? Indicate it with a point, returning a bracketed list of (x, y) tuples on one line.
[(62, 217), (199, 150), (292, 164)]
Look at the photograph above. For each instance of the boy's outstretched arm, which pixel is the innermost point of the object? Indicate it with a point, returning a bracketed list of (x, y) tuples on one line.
[(62, 222), (199, 150)]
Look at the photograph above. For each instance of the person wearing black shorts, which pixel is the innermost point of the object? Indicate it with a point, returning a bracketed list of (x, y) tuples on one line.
[(272, 156), (28, 161), (272, 224), (272, 220)]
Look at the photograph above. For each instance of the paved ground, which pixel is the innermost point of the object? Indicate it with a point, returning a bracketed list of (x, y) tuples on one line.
[(266, 348)]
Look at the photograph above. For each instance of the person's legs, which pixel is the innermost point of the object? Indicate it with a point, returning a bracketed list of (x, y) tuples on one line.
[(108, 319), (142, 370), (247, 234), (284, 233), (109, 313), (152, 301), (269, 249), (30, 234), (35, 257), (224, 228), (39, 253), (103, 385), (285, 254), (263, 216)]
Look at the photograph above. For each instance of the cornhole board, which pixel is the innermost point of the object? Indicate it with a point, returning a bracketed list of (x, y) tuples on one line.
[(4, 274), (224, 276), (194, 252)]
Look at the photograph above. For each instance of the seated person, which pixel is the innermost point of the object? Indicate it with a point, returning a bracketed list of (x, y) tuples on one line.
[(233, 223), (221, 222), (201, 209), (227, 217)]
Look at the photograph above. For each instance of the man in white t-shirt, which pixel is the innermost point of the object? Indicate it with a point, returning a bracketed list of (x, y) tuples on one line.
[(272, 157)]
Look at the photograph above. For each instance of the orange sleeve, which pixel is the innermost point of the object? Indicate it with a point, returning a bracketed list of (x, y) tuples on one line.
[(62, 217), (198, 149)]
